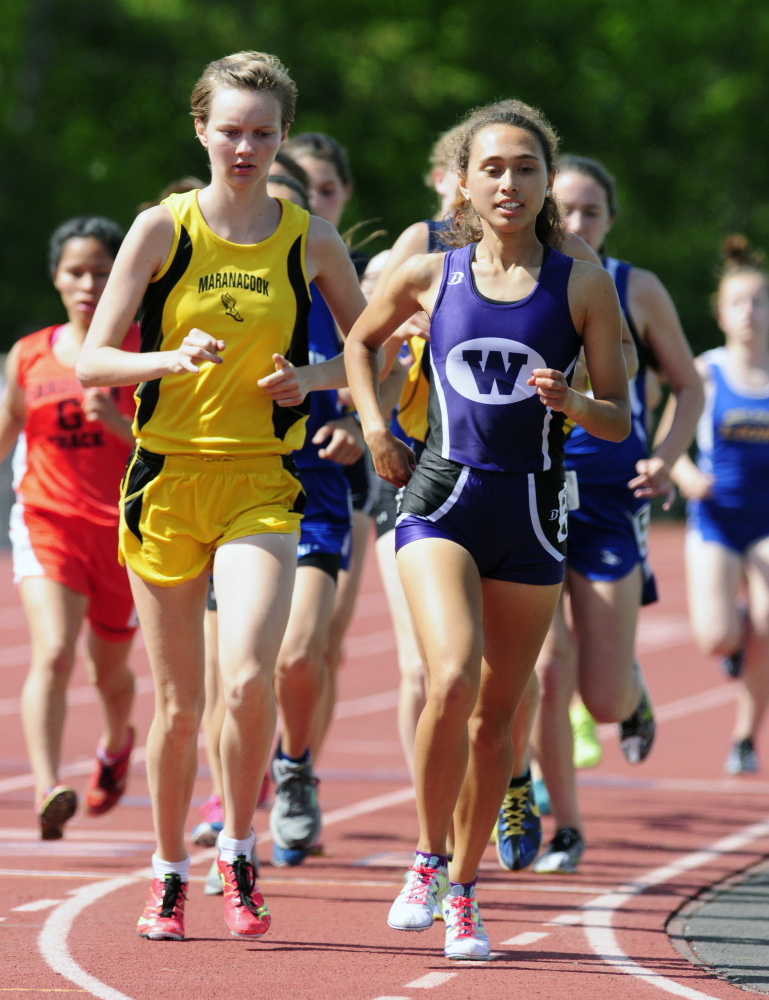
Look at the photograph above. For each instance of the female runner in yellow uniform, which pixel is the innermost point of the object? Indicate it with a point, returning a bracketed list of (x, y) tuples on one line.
[(222, 276)]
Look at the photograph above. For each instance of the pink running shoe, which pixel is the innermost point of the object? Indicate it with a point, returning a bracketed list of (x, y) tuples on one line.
[(205, 833), (211, 810), (163, 916), (245, 911), (108, 781)]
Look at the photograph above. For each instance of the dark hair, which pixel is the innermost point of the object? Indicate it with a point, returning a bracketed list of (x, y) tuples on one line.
[(464, 224), (294, 185), (108, 233), (257, 71), (322, 147), (292, 168), (597, 172), (739, 258)]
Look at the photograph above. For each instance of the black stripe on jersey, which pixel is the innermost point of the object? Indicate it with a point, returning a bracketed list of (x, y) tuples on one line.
[(298, 353), (151, 319)]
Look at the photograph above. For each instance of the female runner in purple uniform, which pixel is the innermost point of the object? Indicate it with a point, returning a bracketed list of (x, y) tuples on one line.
[(482, 531)]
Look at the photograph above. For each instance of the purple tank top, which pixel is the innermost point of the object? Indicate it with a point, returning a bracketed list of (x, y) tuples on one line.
[(481, 411)]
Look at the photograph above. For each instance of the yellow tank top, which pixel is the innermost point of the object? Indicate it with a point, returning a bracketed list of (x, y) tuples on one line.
[(256, 299), (412, 405)]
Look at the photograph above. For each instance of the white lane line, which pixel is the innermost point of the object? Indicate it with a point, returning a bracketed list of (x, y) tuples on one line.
[(431, 980), (83, 695), (600, 912), (392, 998), (35, 905), (367, 705), (565, 920), (53, 938), (528, 937)]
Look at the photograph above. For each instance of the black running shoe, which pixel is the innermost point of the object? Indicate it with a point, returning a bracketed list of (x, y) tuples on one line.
[(637, 732), (563, 853), (732, 665), (742, 758)]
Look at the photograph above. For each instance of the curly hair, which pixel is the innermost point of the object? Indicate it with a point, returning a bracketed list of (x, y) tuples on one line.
[(463, 221)]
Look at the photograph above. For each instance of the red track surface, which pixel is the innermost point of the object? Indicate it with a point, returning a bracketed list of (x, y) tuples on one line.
[(329, 938)]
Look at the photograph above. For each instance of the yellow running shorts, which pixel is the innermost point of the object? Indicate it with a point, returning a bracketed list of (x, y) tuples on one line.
[(175, 511)]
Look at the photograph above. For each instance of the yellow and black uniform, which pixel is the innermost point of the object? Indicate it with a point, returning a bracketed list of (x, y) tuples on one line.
[(212, 461), (412, 405)]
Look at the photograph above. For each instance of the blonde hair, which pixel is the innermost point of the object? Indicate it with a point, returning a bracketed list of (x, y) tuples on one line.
[(257, 71)]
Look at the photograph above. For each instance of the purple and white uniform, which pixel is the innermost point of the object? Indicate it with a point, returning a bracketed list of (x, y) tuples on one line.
[(491, 476)]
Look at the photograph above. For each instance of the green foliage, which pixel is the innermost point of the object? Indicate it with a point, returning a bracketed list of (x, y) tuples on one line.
[(670, 94)]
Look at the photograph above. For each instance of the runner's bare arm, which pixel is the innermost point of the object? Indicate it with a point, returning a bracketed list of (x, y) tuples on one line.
[(413, 286), (13, 410), (574, 246), (596, 313), (102, 362)]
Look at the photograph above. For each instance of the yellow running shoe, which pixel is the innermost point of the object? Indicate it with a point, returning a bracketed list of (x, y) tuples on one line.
[(587, 749)]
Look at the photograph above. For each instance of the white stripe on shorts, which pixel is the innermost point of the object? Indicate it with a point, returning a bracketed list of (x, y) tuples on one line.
[(535, 522), (25, 562)]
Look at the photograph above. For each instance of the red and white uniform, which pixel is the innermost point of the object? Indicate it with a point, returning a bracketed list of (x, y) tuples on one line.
[(67, 481)]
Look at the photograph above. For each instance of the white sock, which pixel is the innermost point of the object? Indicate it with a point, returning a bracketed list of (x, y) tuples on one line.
[(229, 848), (162, 868)]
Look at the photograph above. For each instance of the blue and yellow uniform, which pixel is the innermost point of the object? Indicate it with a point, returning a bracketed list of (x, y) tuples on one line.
[(733, 448), (212, 461)]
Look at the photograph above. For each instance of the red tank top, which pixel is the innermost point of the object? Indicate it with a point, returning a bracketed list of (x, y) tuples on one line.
[(72, 466)]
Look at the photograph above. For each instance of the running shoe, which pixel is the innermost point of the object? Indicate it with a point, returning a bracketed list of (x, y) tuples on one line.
[(587, 749), (295, 817), (742, 758), (205, 833), (636, 733), (519, 828), (414, 906), (542, 796), (732, 665), (213, 884), (466, 937), (563, 853), (245, 911), (58, 804), (108, 781), (163, 916)]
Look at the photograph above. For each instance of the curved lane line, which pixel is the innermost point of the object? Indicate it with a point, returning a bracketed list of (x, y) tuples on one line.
[(600, 911), (53, 938)]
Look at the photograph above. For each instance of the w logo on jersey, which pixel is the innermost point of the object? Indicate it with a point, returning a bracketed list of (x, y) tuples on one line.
[(492, 370)]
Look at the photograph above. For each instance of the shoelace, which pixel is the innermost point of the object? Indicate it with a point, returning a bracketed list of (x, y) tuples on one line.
[(462, 916), (245, 879), (514, 809), (419, 883), (174, 888)]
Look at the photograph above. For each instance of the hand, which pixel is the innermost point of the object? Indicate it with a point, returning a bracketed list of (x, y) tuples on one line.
[(552, 387), (197, 348), (98, 404), (694, 484), (653, 480), (393, 460), (346, 444), (287, 385)]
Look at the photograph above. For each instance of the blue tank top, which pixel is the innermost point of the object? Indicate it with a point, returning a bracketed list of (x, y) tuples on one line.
[(612, 463), (733, 436), (481, 412), (324, 344)]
